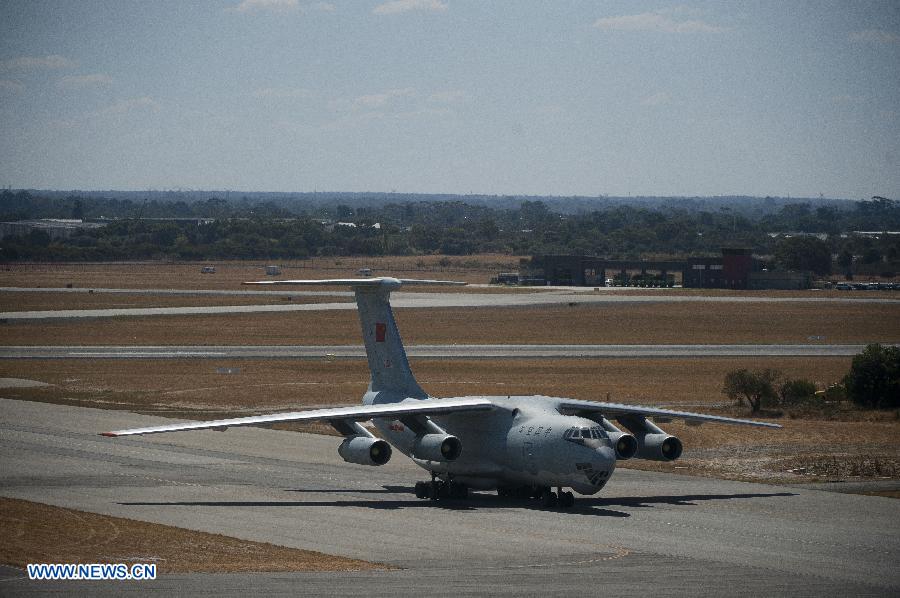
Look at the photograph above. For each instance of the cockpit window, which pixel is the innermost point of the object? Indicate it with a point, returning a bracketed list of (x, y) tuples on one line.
[(600, 433), (578, 434)]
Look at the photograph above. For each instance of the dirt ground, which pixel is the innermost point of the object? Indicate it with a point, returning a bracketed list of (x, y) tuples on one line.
[(162, 386), (38, 533), (230, 274), (614, 323), (40, 301)]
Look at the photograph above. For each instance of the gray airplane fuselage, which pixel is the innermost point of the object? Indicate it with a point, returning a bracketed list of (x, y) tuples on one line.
[(523, 443)]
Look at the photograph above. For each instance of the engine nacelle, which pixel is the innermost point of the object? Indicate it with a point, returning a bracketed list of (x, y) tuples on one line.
[(365, 450), (437, 447), (625, 445), (659, 447), (653, 443)]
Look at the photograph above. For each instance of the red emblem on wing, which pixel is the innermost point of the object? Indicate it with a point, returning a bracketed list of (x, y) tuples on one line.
[(380, 330), (396, 427)]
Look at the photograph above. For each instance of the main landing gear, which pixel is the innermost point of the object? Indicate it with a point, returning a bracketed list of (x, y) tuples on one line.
[(547, 497), (438, 489)]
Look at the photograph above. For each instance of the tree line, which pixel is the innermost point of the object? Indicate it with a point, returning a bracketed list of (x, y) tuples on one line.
[(244, 228)]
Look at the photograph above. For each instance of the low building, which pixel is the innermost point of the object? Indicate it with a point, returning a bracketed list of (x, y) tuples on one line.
[(587, 271), (731, 271), (780, 280), (56, 228), (734, 269)]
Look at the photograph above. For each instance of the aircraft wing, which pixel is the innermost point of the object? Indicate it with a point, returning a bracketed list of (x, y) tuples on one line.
[(574, 406), (355, 413)]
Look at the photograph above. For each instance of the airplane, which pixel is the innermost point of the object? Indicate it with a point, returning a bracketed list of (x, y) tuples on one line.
[(516, 445)]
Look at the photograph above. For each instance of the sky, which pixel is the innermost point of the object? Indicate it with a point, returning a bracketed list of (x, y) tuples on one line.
[(564, 97)]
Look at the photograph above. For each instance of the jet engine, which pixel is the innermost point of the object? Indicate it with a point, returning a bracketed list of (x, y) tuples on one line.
[(365, 450), (625, 444), (653, 443), (437, 447), (659, 447)]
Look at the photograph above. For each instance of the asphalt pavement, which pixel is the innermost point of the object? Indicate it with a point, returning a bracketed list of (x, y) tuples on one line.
[(662, 534)]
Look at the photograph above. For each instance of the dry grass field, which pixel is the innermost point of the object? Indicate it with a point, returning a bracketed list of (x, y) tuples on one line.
[(230, 274), (613, 323), (40, 301), (821, 446), (196, 387), (38, 533)]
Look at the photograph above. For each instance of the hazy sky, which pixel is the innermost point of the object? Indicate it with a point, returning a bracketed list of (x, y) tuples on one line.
[(513, 97)]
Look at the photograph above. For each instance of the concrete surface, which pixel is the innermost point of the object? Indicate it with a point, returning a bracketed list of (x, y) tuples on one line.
[(646, 533)]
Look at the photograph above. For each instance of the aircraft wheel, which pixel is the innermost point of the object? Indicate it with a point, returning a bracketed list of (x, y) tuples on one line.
[(566, 500), (548, 499), (435, 490), (421, 489), (458, 491)]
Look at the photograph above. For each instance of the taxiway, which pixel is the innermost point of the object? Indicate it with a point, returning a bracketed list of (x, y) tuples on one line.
[(646, 533)]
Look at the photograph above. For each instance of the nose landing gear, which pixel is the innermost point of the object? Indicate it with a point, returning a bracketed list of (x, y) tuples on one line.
[(561, 499), (566, 499)]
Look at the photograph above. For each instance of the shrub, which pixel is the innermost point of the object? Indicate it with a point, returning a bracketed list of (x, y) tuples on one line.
[(796, 392), (874, 377), (755, 387)]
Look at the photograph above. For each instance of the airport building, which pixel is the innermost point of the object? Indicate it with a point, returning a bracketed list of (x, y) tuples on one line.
[(56, 228), (734, 269)]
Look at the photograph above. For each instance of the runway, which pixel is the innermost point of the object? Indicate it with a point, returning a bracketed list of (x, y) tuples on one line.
[(570, 297), (426, 351), (658, 533)]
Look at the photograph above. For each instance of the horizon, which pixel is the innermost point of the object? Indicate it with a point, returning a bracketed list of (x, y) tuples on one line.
[(226, 192)]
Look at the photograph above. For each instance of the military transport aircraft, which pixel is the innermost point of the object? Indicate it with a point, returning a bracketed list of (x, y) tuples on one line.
[(517, 445)]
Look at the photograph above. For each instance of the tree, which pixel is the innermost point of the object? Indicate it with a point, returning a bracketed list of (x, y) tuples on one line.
[(804, 253), (756, 387), (874, 377), (793, 392)]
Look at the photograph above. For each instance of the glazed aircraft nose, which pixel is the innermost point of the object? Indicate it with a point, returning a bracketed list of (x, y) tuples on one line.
[(595, 470)]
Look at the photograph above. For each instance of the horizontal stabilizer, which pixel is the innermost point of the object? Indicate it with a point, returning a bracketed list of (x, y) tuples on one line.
[(382, 281)]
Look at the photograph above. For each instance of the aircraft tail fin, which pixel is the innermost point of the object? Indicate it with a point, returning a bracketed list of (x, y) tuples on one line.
[(388, 365)]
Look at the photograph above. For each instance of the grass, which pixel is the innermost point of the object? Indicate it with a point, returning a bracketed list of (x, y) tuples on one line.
[(229, 274), (39, 533), (162, 386), (40, 301), (614, 323)]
